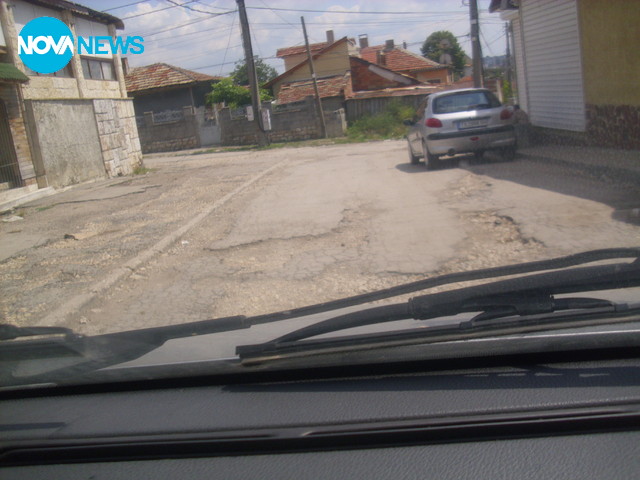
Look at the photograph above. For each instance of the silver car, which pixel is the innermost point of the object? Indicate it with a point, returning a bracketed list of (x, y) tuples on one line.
[(471, 120)]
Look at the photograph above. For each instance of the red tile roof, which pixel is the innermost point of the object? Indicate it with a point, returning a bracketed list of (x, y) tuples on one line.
[(162, 75), (397, 92), (288, 51), (334, 86), (400, 60)]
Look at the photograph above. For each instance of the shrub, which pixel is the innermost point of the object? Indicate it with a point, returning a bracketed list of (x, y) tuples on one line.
[(387, 124)]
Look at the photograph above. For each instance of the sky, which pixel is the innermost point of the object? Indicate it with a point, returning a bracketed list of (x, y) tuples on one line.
[(204, 35)]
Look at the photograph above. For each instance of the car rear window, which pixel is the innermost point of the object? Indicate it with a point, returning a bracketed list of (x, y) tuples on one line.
[(465, 101)]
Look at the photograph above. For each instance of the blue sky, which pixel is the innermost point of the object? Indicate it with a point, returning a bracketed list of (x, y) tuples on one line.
[(195, 38)]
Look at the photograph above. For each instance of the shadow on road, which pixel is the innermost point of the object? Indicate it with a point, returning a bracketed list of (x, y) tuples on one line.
[(573, 181)]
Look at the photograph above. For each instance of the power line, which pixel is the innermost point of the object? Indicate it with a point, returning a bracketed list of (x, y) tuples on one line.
[(440, 13), (184, 5), (224, 58), (123, 6)]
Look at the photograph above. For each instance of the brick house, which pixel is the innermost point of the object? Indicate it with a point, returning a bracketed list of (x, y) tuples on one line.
[(575, 76), (345, 71), (401, 60), (70, 126)]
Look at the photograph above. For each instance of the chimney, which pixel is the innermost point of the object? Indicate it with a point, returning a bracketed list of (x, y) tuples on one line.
[(330, 37), (125, 65), (380, 58), (364, 40), (389, 45)]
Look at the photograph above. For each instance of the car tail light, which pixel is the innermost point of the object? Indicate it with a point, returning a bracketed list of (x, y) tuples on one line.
[(506, 114), (433, 123)]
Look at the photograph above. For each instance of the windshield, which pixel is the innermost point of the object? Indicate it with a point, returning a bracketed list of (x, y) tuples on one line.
[(463, 102), (151, 177)]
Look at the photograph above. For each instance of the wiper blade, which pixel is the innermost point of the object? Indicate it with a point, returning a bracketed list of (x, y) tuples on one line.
[(110, 349), (521, 297)]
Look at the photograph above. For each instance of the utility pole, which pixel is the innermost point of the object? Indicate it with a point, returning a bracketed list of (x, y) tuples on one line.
[(251, 72), (323, 126), (475, 44), (506, 30)]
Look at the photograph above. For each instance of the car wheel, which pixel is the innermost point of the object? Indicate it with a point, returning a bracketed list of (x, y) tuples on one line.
[(412, 158), (508, 153), (430, 160), (478, 156)]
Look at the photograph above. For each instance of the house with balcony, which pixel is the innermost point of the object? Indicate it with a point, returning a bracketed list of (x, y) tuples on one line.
[(70, 126)]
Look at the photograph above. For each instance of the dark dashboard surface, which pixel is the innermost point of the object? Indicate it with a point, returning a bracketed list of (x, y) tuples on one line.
[(135, 415)]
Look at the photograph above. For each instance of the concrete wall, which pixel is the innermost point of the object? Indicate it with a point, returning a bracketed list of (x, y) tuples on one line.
[(293, 124), (169, 136), (65, 140), (79, 140)]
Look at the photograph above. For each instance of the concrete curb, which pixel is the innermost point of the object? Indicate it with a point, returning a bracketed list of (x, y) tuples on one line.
[(74, 304), (26, 198), (620, 174)]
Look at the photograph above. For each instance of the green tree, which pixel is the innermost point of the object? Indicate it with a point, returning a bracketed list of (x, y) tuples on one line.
[(264, 73), (234, 96), (432, 49)]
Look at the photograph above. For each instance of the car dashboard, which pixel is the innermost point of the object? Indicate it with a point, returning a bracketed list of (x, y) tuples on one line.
[(551, 416)]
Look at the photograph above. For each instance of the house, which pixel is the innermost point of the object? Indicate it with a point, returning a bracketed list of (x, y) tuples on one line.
[(574, 68), (405, 62), (69, 126), (331, 64), (346, 71), (169, 102)]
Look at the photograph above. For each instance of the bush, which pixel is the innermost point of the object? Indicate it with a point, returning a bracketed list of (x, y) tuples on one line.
[(383, 125)]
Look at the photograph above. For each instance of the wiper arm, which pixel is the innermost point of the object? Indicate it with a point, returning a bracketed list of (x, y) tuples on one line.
[(524, 297), (104, 350)]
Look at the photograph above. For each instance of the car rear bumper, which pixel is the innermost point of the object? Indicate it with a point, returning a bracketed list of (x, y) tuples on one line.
[(471, 140)]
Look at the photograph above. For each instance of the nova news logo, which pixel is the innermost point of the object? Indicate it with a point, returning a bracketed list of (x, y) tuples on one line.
[(46, 45)]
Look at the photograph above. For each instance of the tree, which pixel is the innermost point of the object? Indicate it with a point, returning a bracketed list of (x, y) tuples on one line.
[(264, 73), (234, 96), (432, 49)]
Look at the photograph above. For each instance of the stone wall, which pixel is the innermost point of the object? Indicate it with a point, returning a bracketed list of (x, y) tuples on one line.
[(295, 124), (118, 134), (615, 126)]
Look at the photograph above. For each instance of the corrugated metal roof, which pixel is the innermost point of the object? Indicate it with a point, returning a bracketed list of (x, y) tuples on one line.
[(10, 73), (162, 75)]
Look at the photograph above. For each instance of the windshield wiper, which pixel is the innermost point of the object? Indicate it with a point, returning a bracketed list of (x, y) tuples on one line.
[(100, 351), (526, 304)]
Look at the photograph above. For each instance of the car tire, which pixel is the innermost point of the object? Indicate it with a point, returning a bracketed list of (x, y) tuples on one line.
[(478, 155), (508, 153), (430, 160), (412, 158)]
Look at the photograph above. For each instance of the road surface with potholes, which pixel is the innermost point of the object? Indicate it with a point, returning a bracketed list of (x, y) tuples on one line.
[(211, 235)]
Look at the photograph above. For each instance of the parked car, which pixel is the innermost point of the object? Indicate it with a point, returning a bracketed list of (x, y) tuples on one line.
[(470, 120)]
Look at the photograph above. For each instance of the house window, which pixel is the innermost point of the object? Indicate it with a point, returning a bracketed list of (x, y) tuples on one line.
[(66, 72), (98, 69)]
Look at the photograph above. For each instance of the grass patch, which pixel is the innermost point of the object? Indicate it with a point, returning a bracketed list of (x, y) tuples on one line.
[(42, 209), (142, 170)]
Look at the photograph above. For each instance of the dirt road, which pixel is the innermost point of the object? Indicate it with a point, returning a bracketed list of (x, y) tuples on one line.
[(204, 236)]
